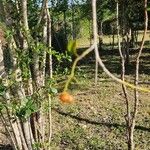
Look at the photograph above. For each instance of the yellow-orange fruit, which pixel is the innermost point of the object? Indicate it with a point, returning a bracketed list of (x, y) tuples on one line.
[(65, 97)]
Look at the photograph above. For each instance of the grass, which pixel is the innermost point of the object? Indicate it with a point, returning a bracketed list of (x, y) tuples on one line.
[(96, 120), (84, 41)]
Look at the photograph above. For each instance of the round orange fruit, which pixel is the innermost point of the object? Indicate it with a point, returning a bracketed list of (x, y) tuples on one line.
[(65, 97)]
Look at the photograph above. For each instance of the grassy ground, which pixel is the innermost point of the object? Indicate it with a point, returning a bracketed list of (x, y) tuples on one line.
[(96, 120), (107, 39)]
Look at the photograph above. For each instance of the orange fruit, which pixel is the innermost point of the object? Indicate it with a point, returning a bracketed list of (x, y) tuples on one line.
[(65, 97)]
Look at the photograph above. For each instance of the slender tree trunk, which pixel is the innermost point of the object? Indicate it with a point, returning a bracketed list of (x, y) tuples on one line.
[(65, 26), (16, 142), (95, 33), (24, 14), (90, 33), (50, 44), (26, 124), (11, 134), (136, 93), (113, 40), (118, 27), (2, 67), (100, 34), (73, 21), (16, 138), (128, 114)]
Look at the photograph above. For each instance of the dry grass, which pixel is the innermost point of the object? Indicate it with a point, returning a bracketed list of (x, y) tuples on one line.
[(108, 39), (96, 121)]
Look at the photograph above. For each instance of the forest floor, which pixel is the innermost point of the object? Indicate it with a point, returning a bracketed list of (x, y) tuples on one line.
[(96, 120)]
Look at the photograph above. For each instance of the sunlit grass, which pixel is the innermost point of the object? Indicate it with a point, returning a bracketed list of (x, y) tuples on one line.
[(108, 39), (96, 120)]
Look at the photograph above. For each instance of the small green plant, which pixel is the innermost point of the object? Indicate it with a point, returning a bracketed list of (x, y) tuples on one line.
[(62, 65), (25, 110)]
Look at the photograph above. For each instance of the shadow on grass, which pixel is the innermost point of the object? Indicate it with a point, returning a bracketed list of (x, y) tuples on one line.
[(109, 125), (111, 59)]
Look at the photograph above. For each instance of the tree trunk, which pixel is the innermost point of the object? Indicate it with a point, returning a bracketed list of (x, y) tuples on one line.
[(90, 33), (95, 33), (100, 34), (136, 93), (73, 21), (65, 27)]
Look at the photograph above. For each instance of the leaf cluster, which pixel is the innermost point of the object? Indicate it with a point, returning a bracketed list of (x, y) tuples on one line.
[(25, 110)]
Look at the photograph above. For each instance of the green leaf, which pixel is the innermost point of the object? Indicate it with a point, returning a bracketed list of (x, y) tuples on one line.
[(1, 106), (72, 47), (28, 112), (52, 90), (24, 111), (2, 89)]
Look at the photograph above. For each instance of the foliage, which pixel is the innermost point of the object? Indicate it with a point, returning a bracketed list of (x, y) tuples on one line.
[(25, 110), (50, 87), (2, 88), (72, 47)]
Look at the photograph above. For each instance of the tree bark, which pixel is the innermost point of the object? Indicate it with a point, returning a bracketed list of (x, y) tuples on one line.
[(95, 33)]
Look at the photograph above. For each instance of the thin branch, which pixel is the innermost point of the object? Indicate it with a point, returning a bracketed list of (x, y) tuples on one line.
[(49, 120), (75, 63), (138, 59), (24, 14), (124, 89), (50, 43), (42, 12), (104, 67), (136, 93)]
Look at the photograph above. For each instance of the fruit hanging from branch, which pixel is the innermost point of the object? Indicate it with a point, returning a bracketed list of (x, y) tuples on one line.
[(66, 98)]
